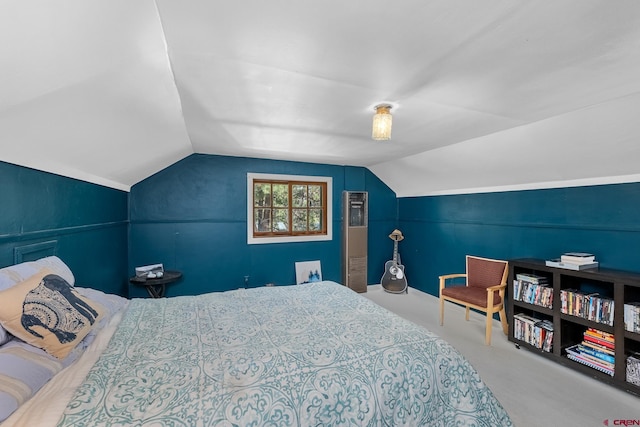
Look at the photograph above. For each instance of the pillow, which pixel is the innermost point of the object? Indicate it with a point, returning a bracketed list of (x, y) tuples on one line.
[(10, 276), (46, 312), (57, 266), (13, 274), (111, 303), (23, 371), (4, 335)]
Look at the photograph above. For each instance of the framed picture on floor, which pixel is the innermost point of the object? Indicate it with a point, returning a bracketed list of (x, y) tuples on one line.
[(308, 271)]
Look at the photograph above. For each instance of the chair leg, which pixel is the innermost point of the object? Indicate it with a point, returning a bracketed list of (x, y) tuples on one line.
[(503, 320), (441, 311), (487, 338), (467, 313)]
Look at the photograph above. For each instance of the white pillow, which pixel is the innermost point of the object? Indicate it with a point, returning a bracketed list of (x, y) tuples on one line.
[(13, 274), (4, 336), (18, 273)]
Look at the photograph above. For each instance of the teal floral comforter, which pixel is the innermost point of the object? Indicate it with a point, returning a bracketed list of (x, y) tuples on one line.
[(316, 354)]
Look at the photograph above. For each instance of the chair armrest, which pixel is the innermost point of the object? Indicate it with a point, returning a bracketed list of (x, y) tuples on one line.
[(490, 292), (446, 277), (452, 276), (497, 287)]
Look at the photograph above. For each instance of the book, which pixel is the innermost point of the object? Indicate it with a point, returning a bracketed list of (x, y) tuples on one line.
[(579, 303), (524, 327), (547, 345), (566, 300), (533, 293), (595, 353), (569, 265), (536, 332), (577, 257), (546, 297), (602, 342), (595, 360), (600, 309), (546, 326), (581, 359), (601, 334), (632, 316), (598, 347), (575, 355), (531, 278)]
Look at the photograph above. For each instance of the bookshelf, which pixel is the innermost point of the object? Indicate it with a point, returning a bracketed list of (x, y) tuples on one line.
[(605, 293)]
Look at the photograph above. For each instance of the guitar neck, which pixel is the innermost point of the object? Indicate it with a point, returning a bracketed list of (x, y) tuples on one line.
[(395, 251)]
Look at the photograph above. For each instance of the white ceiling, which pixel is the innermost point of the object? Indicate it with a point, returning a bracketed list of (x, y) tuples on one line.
[(489, 95)]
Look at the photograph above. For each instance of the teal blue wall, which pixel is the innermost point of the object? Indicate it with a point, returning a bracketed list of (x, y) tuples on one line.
[(192, 217), (82, 223), (440, 231)]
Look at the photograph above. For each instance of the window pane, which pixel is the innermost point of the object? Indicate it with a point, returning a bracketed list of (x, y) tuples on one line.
[(299, 220), (283, 207), (280, 220), (280, 195), (262, 219), (299, 196), (315, 196), (315, 219), (261, 194)]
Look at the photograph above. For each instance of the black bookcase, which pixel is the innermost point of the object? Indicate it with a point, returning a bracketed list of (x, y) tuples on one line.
[(622, 287)]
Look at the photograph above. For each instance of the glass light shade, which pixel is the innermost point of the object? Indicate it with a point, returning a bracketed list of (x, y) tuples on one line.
[(382, 123)]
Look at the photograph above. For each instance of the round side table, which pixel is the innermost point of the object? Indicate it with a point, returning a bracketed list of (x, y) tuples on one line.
[(156, 287)]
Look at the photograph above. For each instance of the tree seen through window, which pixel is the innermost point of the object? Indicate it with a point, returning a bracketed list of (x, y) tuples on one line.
[(289, 208)]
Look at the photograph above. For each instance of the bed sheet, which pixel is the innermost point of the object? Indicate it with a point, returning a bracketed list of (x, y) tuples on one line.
[(46, 407), (311, 354)]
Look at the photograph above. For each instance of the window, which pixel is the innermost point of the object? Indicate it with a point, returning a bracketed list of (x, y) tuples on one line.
[(288, 208)]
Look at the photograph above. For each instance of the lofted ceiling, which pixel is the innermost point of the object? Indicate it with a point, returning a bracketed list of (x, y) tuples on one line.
[(488, 95)]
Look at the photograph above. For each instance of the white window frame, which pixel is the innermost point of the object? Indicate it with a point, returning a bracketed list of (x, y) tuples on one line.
[(288, 239)]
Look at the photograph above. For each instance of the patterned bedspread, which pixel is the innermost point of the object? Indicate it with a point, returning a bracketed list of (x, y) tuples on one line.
[(316, 354)]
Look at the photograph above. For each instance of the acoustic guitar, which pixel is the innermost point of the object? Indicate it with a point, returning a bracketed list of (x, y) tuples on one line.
[(394, 280)]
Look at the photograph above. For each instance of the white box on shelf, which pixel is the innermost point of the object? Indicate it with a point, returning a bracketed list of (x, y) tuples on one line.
[(146, 269), (569, 265)]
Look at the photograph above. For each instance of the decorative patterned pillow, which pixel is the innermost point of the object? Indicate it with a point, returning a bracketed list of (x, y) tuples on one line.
[(10, 276), (48, 313)]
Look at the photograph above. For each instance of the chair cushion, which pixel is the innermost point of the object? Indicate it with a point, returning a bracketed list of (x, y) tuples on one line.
[(484, 273), (476, 296)]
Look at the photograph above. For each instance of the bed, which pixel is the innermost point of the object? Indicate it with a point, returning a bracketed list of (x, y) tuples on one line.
[(316, 354)]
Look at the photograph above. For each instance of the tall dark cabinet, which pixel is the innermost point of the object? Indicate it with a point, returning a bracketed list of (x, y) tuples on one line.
[(355, 218)]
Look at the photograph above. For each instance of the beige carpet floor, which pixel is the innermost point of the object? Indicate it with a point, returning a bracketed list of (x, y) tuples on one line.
[(534, 391)]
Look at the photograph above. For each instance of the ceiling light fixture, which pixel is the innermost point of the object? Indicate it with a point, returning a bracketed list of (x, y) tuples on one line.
[(382, 122)]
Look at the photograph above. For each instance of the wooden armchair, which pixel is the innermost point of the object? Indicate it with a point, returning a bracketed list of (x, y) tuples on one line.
[(486, 281)]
